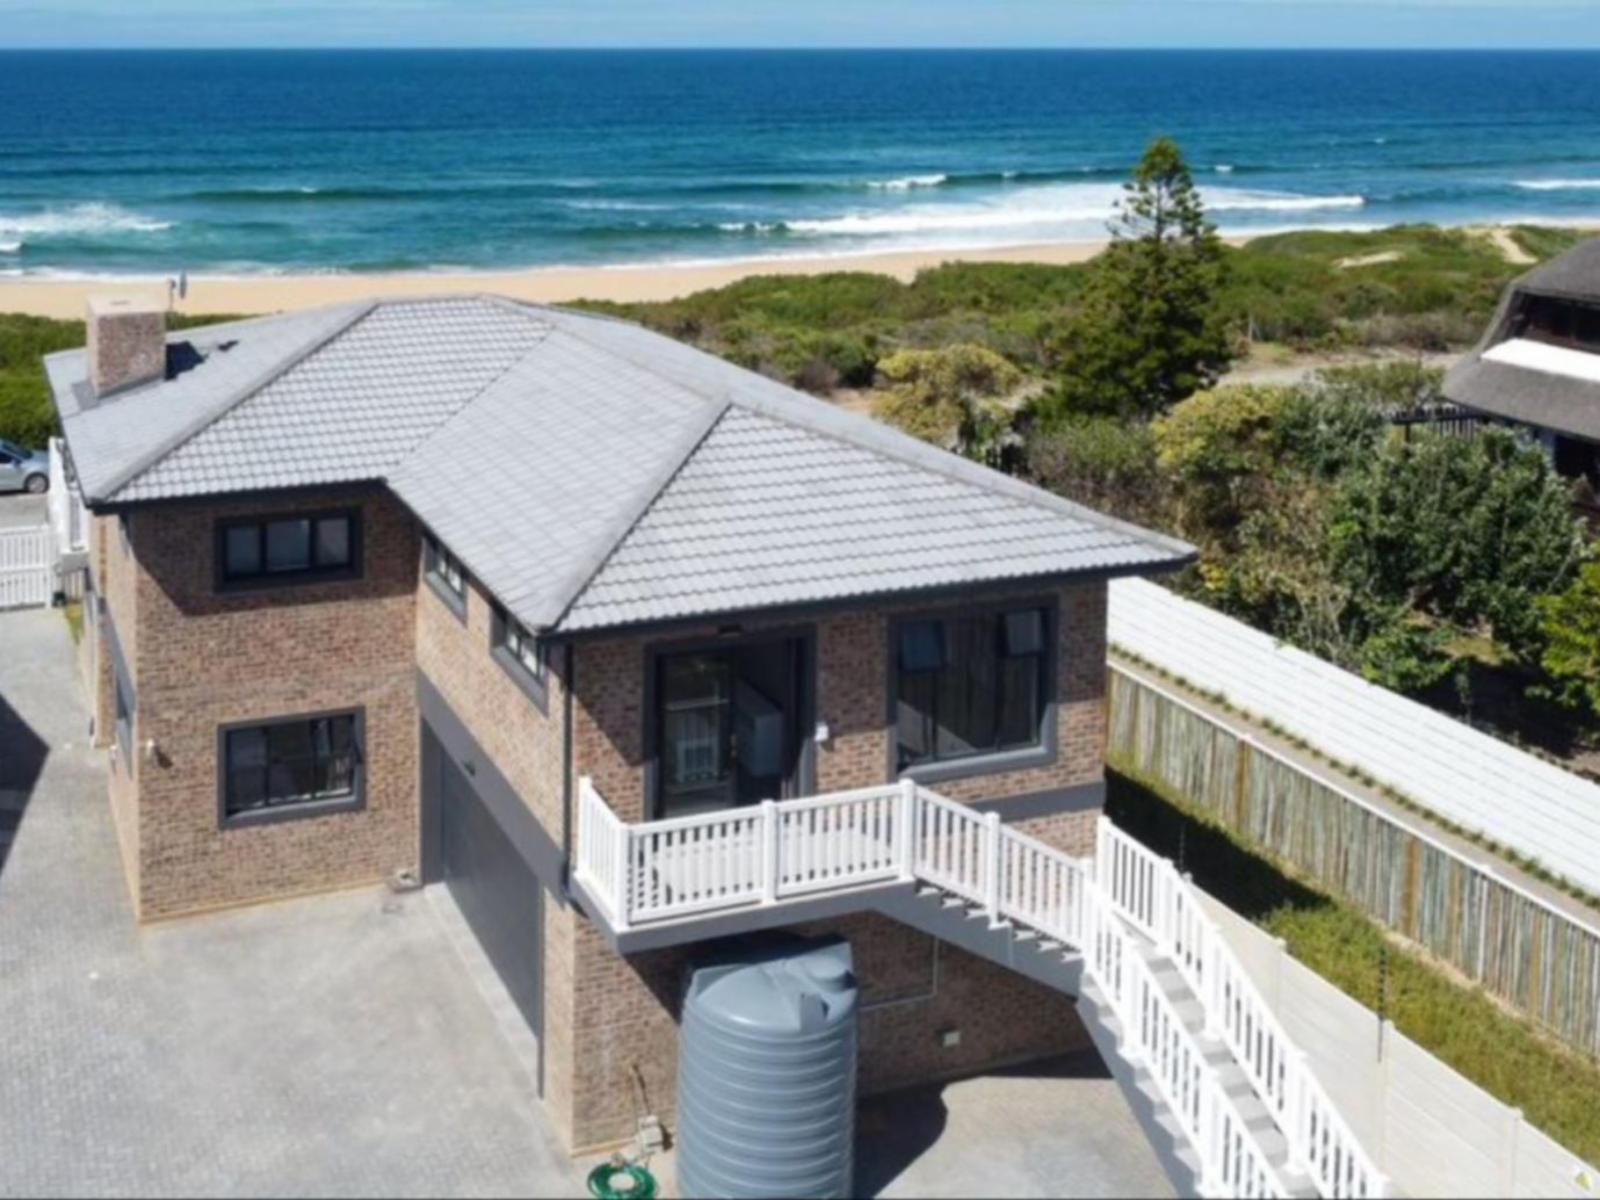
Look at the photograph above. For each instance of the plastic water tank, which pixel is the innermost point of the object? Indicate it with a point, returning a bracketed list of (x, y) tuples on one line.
[(767, 1076)]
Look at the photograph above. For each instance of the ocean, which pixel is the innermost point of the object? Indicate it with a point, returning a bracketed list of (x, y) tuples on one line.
[(248, 162)]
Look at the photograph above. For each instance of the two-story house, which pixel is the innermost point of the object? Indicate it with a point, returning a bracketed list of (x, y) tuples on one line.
[(628, 648)]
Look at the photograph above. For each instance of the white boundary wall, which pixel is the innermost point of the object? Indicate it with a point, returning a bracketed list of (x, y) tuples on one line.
[(1470, 778), (1431, 1131)]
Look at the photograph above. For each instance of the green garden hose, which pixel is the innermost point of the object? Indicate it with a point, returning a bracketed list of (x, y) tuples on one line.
[(618, 1180)]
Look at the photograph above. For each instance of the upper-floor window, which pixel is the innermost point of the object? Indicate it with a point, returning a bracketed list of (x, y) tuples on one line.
[(307, 765), (1560, 322), (522, 655), (302, 548), (971, 685), (445, 573)]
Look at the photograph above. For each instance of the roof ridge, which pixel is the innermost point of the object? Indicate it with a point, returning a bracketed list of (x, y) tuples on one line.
[(902, 447), (193, 429), (578, 581)]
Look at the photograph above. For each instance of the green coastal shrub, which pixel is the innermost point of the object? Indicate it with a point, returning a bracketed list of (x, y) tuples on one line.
[(955, 397)]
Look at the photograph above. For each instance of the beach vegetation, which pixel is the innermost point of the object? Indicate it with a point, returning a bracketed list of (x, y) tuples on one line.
[(1149, 330), (1570, 628), (958, 397)]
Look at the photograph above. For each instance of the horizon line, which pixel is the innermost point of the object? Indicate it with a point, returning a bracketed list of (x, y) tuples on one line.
[(818, 48)]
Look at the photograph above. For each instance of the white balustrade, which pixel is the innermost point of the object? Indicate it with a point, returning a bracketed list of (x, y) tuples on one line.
[(1148, 892), (1106, 907)]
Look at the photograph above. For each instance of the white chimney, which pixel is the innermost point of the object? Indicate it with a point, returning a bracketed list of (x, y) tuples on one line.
[(127, 343)]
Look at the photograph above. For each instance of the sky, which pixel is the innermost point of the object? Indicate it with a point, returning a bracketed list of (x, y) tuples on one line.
[(1566, 24)]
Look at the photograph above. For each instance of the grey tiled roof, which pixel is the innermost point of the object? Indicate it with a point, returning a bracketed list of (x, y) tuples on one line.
[(355, 409), (114, 439), (588, 472), (768, 513)]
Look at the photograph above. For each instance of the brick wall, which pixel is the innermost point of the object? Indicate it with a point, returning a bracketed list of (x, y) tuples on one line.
[(624, 1010), (114, 578), (525, 745), (203, 659)]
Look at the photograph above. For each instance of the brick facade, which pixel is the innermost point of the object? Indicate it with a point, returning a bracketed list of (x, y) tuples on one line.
[(201, 659), (627, 1008)]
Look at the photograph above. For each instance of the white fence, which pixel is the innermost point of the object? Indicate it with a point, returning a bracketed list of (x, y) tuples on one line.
[(773, 852), (1433, 1132), (68, 516), (1472, 779), (27, 567)]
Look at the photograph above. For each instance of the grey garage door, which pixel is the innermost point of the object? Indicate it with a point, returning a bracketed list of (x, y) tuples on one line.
[(492, 884)]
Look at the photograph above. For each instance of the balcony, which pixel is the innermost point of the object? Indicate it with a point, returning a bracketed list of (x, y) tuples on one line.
[(777, 856), (1172, 1007)]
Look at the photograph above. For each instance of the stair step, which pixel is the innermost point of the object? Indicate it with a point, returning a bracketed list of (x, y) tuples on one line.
[(953, 902), (1025, 935)]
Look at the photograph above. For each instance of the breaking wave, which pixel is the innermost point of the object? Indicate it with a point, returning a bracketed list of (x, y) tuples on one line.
[(81, 220)]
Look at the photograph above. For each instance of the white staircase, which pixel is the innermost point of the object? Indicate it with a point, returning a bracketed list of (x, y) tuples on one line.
[(1172, 1009)]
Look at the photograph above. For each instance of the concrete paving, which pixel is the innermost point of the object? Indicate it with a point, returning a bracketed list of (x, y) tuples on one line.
[(19, 510), (330, 1046), (1049, 1129)]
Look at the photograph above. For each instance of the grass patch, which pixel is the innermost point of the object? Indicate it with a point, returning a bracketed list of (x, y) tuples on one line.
[(73, 612), (1510, 1058)]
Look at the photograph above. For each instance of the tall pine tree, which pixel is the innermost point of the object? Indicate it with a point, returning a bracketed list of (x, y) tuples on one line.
[(1148, 332)]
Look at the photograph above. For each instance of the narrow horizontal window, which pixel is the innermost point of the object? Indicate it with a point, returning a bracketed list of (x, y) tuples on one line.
[(522, 654), (295, 763), (446, 568), (295, 549)]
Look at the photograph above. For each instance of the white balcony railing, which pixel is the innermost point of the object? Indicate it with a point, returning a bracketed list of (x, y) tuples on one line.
[(1116, 909)]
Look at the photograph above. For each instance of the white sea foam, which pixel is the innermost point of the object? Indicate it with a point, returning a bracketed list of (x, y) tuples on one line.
[(1559, 185), (11, 247), (79, 220), (909, 182), (1224, 168), (1043, 209)]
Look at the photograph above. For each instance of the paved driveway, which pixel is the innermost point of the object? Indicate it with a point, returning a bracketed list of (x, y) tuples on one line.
[(332, 1046), (17, 510)]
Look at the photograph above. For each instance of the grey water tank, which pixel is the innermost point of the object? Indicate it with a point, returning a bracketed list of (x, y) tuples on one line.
[(767, 1076)]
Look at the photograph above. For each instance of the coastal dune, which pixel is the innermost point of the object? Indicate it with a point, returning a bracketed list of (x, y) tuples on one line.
[(252, 294)]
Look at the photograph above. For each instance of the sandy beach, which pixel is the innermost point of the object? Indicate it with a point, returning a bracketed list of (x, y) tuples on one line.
[(277, 293)]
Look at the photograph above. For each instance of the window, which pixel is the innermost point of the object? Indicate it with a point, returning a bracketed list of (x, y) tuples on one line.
[(522, 655), (971, 685), (301, 765), (125, 710), (304, 548), (444, 571)]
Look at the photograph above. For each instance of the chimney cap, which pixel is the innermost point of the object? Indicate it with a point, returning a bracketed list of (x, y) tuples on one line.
[(104, 305)]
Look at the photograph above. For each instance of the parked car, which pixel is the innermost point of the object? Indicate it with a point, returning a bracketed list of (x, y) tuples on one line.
[(24, 470)]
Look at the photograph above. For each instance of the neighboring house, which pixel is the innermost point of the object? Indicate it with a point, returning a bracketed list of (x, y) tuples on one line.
[(1538, 366), (463, 588)]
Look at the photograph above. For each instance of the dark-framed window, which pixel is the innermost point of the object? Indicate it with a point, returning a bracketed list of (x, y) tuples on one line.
[(974, 689), (289, 549), (126, 706), (524, 656), (445, 575), (291, 766)]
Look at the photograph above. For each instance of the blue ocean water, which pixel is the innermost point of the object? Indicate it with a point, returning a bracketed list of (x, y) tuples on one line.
[(229, 162)]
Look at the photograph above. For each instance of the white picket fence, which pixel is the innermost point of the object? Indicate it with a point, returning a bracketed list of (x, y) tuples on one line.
[(27, 567), (1474, 780), (1108, 907)]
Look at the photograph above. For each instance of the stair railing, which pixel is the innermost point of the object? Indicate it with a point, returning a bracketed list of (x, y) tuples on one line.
[(1149, 893)]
